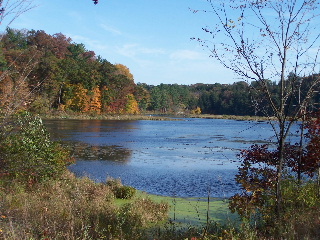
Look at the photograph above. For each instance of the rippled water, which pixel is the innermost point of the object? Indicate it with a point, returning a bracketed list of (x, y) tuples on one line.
[(186, 158)]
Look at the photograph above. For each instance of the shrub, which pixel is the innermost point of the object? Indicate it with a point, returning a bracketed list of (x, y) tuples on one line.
[(27, 153), (124, 192), (119, 190), (196, 111), (142, 212)]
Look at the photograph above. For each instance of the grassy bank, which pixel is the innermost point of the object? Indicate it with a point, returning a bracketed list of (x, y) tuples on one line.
[(145, 116), (74, 208), (78, 208), (193, 211), (81, 116)]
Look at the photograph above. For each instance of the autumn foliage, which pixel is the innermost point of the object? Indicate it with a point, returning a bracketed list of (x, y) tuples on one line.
[(42, 72), (257, 177)]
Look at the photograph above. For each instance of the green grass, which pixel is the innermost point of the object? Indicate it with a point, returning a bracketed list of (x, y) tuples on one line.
[(188, 217), (193, 211)]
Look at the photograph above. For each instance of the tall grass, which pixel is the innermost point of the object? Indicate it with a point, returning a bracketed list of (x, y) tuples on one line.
[(72, 208), (78, 208)]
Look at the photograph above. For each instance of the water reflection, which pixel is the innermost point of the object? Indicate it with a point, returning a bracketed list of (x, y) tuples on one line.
[(175, 158), (84, 151)]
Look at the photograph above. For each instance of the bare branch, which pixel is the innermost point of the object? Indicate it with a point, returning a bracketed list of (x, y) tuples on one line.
[(10, 10), (265, 41)]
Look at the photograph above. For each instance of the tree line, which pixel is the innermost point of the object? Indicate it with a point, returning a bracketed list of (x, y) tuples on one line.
[(42, 73)]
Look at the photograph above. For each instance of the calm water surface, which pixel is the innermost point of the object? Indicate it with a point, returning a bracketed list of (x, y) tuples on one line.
[(186, 158)]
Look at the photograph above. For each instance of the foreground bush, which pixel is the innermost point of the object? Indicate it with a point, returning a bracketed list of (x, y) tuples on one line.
[(27, 153), (299, 217), (119, 190), (72, 208)]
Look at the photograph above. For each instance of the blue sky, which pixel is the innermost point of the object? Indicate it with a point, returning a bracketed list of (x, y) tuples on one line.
[(150, 37)]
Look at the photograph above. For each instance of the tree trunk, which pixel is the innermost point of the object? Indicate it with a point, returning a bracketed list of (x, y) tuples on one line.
[(318, 181), (279, 175)]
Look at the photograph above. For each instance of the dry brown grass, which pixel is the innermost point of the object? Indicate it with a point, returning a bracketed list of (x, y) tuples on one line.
[(72, 208), (83, 116)]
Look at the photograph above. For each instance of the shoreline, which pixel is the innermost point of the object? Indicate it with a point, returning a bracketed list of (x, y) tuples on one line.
[(150, 116)]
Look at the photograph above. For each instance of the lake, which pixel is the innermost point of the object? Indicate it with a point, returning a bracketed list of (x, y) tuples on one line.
[(183, 158)]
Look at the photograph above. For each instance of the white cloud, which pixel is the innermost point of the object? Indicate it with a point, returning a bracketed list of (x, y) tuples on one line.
[(88, 42), (128, 50), (135, 50), (186, 54), (92, 45), (110, 29), (75, 16)]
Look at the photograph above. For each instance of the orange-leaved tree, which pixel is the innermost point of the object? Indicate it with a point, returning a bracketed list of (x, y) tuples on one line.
[(94, 101)]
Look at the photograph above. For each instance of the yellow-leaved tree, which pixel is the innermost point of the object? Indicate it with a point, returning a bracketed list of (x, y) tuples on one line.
[(132, 106), (123, 70), (75, 97)]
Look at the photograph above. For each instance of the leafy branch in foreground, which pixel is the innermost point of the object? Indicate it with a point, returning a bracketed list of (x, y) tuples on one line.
[(258, 178), (27, 153)]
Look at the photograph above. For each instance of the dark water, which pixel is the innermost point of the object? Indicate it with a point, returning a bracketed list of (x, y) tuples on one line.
[(186, 158)]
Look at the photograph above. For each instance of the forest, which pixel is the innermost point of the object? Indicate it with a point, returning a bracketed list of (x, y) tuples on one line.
[(49, 73)]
